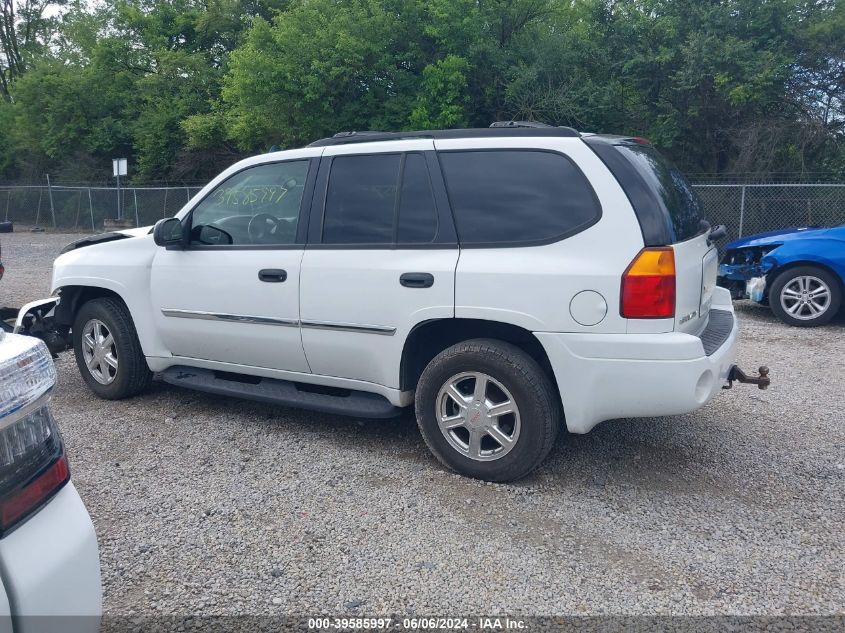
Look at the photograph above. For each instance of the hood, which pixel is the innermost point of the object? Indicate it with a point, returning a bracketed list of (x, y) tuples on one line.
[(111, 236), (778, 237), (141, 230)]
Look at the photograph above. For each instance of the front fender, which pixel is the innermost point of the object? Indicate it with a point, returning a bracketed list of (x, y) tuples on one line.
[(829, 254), (121, 268)]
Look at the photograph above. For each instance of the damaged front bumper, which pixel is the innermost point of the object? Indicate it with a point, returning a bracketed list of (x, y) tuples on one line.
[(37, 318), (744, 281)]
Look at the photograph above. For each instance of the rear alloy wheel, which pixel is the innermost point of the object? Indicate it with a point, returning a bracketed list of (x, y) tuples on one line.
[(805, 296), (478, 416), (487, 410)]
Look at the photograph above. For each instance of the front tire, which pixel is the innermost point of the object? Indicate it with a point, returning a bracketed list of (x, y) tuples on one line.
[(487, 410), (107, 350), (805, 296)]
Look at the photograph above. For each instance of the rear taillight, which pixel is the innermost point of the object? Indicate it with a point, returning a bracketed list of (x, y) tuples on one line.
[(33, 466), (648, 285)]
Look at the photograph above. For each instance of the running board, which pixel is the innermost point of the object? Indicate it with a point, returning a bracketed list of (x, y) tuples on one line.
[(359, 404)]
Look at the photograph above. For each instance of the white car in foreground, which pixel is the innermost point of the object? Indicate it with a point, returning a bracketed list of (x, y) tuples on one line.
[(49, 560)]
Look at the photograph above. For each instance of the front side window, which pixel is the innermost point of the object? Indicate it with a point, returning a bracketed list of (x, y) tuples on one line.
[(257, 206), (517, 196)]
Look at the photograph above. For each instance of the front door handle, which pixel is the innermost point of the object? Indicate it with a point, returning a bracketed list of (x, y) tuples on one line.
[(272, 275), (417, 280)]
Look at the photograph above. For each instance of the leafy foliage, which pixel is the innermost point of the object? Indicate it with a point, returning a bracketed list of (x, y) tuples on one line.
[(183, 87)]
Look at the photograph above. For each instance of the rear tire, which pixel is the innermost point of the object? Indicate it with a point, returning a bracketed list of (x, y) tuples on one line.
[(805, 296), (107, 350), (501, 411)]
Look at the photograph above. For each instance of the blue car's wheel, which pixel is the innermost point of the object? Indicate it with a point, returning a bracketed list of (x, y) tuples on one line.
[(805, 296)]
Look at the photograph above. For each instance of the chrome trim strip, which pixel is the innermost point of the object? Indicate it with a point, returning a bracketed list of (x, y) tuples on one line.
[(349, 327), (231, 318), (262, 320), (19, 414)]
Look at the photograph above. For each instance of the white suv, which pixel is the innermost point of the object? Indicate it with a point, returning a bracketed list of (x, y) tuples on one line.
[(502, 280)]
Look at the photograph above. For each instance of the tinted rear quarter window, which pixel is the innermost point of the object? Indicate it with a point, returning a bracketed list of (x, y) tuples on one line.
[(517, 196), (671, 189)]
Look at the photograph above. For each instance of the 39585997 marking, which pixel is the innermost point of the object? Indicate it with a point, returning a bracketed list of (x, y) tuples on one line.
[(350, 623)]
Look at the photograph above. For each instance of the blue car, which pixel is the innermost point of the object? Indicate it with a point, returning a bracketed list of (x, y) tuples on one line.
[(799, 273)]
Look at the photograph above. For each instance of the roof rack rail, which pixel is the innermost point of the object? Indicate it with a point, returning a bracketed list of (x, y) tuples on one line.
[(520, 124), (370, 136)]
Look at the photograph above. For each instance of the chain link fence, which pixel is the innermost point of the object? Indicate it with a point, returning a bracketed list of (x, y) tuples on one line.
[(84, 209), (750, 209), (744, 209)]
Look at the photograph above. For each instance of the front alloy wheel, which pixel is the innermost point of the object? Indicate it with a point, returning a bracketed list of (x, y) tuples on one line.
[(805, 297), (107, 350), (99, 351)]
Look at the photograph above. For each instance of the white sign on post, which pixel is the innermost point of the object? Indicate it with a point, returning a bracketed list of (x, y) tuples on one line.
[(118, 166)]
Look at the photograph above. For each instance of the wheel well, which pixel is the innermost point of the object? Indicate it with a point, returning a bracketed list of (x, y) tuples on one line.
[(73, 297), (430, 338), (775, 273)]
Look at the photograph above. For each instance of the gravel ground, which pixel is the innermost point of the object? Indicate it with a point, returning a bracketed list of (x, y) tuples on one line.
[(205, 505)]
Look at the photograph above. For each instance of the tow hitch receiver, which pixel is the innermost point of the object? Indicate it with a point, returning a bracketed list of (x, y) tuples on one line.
[(762, 381)]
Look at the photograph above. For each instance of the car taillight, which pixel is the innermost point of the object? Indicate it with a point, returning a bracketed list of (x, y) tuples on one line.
[(648, 285), (33, 466)]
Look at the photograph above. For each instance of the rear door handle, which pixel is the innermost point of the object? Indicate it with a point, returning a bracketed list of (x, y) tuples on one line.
[(417, 280), (272, 275)]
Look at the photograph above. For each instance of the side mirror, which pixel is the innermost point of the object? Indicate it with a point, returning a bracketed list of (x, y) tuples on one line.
[(169, 232)]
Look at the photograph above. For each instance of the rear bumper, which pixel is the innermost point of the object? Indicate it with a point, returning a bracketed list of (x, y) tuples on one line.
[(607, 376), (50, 566)]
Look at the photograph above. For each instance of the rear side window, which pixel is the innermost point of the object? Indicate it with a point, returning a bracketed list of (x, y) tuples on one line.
[(672, 190), (380, 199), (417, 212), (361, 199), (517, 196)]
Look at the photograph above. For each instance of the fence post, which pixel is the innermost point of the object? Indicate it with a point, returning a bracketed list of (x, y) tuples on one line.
[(38, 211), (741, 210), (91, 209), (78, 210), (8, 201), (50, 195), (164, 213), (135, 196)]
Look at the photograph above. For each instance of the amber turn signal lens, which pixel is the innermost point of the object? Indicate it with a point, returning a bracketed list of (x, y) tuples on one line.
[(648, 285)]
